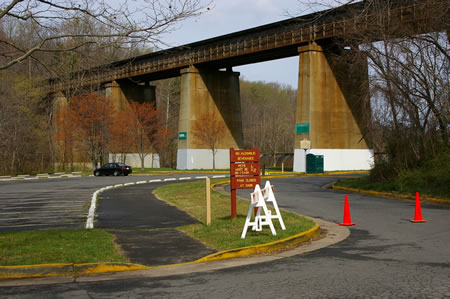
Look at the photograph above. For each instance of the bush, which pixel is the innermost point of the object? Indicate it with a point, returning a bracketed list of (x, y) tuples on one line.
[(432, 178)]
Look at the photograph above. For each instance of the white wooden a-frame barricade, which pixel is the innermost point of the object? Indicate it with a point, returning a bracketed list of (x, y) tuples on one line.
[(257, 201), (270, 197)]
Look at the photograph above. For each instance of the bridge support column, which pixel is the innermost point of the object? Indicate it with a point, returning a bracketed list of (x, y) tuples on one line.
[(123, 92), (333, 103), (206, 92), (63, 153)]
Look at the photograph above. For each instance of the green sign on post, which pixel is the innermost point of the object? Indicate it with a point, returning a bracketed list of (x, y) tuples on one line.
[(302, 128), (182, 135)]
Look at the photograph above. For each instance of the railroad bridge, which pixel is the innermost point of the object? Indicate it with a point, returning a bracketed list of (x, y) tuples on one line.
[(332, 97)]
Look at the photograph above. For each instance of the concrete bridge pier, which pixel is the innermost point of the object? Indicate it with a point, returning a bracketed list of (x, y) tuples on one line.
[(332, 109), (124, 91), (214, 93)]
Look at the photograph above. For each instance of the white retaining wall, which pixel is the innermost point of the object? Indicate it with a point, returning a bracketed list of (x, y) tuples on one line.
[(134, 161), (202, 159), (336, 159)]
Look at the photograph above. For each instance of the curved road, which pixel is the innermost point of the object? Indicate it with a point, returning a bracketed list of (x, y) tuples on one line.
[(386, 256)]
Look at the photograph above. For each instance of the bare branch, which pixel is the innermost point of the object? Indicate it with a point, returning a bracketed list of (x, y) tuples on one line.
[(7, 9), (66, 25)]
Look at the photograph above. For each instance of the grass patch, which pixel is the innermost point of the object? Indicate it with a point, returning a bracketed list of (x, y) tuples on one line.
[(224, 232), (58, 246), (431, 180)]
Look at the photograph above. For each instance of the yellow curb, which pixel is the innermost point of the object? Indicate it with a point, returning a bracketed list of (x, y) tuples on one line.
[(34, 271), (388, 194), (49, 270), (95, 268), (263, 248)]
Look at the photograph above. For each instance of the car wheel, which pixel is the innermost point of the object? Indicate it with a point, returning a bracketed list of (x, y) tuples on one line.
[(97, 173), (116, 173), (125, 174)]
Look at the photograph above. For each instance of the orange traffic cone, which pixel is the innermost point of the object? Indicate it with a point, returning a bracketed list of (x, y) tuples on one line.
[(418, 212), (347, 219)]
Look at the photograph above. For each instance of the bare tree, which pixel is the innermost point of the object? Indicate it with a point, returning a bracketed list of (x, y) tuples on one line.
[(92, 118), (23, 134), (209, 131), (268, 117), (168, 100), (145, 128), (67, 25)]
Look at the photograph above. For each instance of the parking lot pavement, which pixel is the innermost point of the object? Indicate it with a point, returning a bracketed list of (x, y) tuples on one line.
[(31, 206), (38, 176)]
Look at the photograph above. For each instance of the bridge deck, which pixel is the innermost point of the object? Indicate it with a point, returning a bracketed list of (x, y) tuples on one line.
[(268, 42)]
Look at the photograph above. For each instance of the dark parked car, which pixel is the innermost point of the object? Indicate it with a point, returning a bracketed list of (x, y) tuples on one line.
[(113, 169)]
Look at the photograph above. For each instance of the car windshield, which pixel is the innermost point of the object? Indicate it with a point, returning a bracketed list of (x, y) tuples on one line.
[(121, 164)]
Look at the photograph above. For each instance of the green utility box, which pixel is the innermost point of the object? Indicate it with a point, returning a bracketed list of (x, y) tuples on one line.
[(314, 163)]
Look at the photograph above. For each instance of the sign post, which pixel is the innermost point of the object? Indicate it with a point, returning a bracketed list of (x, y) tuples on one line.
[(306, 145), (208, 201), (244, 172)]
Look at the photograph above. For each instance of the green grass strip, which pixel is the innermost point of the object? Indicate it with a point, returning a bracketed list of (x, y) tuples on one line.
[(224, 233), (399, 186), (58, 246)]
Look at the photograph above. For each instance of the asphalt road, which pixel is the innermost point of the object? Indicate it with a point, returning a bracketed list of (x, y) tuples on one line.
[(386, 256), (59, 203)]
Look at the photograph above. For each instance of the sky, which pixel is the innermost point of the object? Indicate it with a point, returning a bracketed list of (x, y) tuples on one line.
[(228, 16)]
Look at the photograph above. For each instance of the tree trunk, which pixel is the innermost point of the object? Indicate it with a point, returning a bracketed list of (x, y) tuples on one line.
[(142, 162)]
